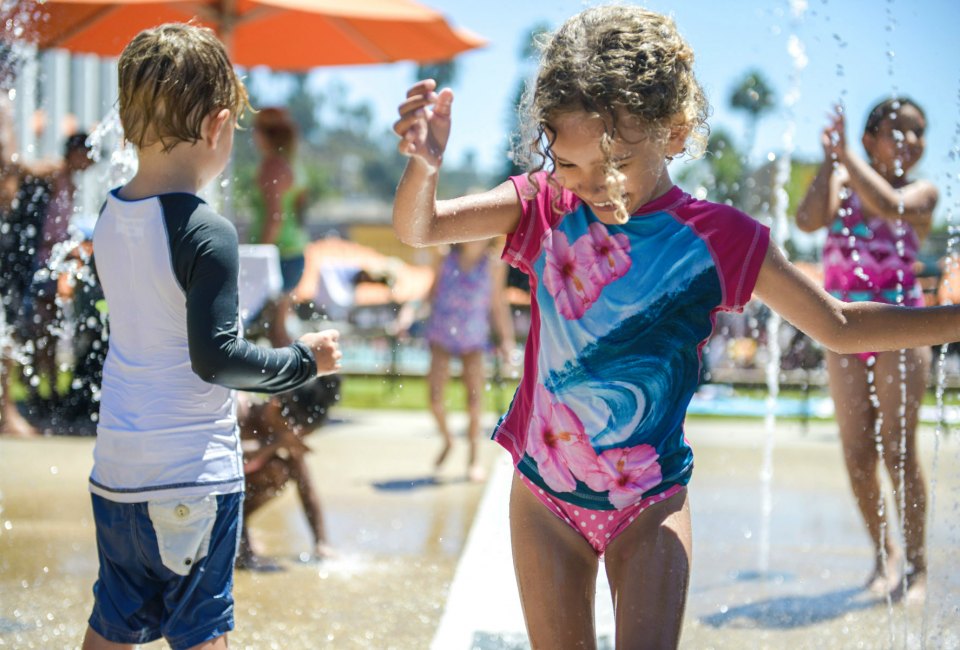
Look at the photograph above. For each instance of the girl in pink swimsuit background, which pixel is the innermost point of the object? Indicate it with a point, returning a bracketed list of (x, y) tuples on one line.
[(876, 217), (627, 273)]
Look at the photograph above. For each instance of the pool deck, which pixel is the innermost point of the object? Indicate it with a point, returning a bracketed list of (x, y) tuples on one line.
[(424, 559)]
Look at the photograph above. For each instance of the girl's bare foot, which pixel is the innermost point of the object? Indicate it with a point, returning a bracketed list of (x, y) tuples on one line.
[(916, 589), (884, 578), (324, 551), (476, 474)]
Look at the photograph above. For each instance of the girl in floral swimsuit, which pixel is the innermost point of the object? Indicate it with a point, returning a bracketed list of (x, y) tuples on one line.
[(627, 273), (876, 218), (466, 296)]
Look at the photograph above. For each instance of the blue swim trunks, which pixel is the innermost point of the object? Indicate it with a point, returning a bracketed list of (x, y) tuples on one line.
[(166, 569)]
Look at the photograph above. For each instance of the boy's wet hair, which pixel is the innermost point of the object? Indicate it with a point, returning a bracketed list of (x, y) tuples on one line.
[(614, 61), (307, 407), (888, 108), (171, 78)]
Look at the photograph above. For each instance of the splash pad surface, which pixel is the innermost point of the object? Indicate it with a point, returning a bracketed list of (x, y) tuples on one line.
[(412, 545)]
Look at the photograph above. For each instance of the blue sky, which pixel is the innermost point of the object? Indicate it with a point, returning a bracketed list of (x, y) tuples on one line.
[(908, 46)]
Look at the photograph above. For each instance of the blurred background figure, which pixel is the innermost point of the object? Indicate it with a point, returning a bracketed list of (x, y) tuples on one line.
[(466, 297), (278, 206), (14, 269), (43, 306), (274, 452), (877, 217)]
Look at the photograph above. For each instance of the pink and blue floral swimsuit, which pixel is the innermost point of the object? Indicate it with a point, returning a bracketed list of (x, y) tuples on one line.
[(618, 318)]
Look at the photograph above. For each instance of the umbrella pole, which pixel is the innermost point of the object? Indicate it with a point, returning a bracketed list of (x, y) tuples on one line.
[(226, 22)]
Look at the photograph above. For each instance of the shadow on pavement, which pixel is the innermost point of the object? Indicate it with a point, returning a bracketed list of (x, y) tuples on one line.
[(415, 483), (786, 612)]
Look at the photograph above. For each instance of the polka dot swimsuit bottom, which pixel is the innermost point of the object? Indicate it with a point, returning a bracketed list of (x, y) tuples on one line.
[(598, 527)]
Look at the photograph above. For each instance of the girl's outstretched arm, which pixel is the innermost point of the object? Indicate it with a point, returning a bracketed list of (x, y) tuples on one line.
[(418, 218), (848, 327)]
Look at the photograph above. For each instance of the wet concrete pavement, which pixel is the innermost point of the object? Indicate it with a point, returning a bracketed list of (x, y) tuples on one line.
[(407, 577)]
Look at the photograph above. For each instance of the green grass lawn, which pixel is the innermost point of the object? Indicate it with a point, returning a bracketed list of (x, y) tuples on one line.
[(376, 391), (383, 392), (357, 391)]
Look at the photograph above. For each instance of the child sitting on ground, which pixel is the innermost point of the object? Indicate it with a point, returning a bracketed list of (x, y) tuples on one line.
[(274, 452)]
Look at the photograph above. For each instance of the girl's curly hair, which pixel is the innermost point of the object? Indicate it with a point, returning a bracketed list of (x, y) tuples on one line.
[(607, 61)]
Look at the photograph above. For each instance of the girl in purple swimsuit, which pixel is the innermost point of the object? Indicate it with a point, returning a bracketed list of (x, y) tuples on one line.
[(627, 273), (466, 296), (876, 218)]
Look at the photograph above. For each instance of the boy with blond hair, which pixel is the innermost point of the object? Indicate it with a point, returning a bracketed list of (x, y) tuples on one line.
[(167, 481)]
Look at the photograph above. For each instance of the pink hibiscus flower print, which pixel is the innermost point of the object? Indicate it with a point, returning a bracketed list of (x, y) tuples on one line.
[(625, 474), (611, 254), (568, 278), (558, 443)]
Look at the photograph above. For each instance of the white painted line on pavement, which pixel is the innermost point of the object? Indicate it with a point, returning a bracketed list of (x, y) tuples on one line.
[(483, 606)]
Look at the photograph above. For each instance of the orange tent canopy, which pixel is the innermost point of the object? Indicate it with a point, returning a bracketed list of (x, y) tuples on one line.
[(410, 282), (292, 35)]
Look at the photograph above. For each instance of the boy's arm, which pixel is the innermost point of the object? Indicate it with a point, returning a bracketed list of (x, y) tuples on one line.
[(849, 327), (206, 263)]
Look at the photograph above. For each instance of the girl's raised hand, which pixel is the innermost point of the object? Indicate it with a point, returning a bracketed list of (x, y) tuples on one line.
[(834, 138), (424, 124)]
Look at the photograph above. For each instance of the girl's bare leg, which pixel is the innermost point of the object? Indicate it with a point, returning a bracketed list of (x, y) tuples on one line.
[(648, 567), (474, 378), (902, 427), (556, 575), (437, 378), (855, 417)]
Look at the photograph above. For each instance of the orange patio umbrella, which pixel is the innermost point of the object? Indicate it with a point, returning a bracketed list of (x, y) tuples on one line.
[(292, 35)]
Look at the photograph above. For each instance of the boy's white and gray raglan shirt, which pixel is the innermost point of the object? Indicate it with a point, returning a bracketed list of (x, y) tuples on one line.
[(169, 267)]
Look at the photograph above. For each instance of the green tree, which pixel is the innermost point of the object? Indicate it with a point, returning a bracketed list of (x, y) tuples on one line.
[(720, 172), (754, 96), (726, 167), (304, 106)]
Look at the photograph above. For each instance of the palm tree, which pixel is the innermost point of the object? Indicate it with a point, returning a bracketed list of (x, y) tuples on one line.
[(754, 96)]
